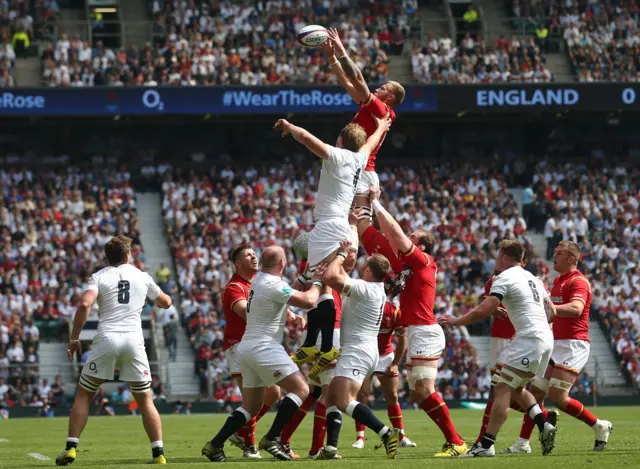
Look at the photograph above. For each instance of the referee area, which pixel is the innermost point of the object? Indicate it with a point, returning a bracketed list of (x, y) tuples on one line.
[(119, 442)]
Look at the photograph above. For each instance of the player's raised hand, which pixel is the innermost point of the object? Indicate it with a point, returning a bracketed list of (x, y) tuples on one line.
[(334, 37), (345, 245), (374, 193), (328, 48), (297, 319), (319, 272), (283, 125), (500, 313), (356, 215), (446, 319), (385, 122)]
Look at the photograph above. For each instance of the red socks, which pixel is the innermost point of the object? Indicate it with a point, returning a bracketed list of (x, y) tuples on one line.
[(360, 428), (319, 428), (485, 421), (578, 410), (437, 409), (248, 432), (297, 418), (264, 410), (395, 416)]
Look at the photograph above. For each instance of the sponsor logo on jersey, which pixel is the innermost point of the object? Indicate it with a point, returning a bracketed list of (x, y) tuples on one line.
[(277, 373)]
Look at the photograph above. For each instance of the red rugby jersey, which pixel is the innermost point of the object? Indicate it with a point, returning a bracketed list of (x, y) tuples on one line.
[(375, 242), (364, 118), (235, 290), (566, 288), (419, 294), (501, 328), (391, 320)]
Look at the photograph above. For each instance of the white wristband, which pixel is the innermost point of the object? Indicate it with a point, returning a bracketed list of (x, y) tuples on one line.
[(376, 206)]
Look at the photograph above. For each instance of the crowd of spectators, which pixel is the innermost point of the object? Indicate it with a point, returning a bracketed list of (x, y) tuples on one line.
[(599, 208), (470, 209), (29, 392), (512, 59), (224, 43), (53, 227)]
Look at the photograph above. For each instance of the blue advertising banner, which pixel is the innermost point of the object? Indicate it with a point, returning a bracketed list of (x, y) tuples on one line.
[(192, 100), (282, 100)]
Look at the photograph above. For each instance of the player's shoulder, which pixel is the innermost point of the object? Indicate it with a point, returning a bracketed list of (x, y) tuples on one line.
[(579, 279)]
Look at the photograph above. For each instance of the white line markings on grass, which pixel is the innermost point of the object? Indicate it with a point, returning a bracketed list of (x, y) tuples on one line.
[(38, 456), (3, 440)]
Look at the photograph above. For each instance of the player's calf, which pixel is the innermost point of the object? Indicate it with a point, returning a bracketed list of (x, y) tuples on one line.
[(150, 419)]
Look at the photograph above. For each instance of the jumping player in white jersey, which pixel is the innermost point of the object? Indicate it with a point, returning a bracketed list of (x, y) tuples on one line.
[(362, 310), (263, 360), (530, 310), (341, 169), (121, 291)]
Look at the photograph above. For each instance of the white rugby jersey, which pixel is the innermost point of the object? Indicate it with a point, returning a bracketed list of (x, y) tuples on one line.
[(362, 310), (267, 308), (122, 293), (338, 181), (522, 294)]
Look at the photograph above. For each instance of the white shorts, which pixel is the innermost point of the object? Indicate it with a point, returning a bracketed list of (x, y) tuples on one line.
[(570, 354), (118, 350), (264, 363), (529, 354), (233, 360), (367, 179), (357, 362), (325, 238), (424, 344), (324, 378), (499, 350), (383, 363)]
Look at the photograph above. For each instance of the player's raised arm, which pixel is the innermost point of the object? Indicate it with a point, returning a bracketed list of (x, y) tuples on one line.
[(479, 313), (335, 275), (389, 227), (313, 143), (309, 298), (372, 142), (346, 71)]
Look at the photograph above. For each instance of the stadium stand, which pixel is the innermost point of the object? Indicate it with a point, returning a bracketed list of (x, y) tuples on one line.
[(53, 226), (599, 208), (205, 218), (473, 61)]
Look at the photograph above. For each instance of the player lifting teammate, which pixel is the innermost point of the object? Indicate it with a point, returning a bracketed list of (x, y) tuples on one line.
[(341, 169), (571, 293), (234, 305), (121, 291), (425, 338), (530, 310), (263, 360)]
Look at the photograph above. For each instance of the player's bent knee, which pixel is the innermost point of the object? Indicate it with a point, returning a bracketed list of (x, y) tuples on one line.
[(513, 380), (541, 386), (88, 384), (421, 373), (140, 388)]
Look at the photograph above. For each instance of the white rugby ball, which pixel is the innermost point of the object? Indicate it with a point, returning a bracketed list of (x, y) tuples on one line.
[(312, 35)]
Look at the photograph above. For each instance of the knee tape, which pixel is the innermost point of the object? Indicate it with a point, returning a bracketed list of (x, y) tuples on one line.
[(418, 373), (560, 384), (495, 378), (541, 383), (86, 383), (140, 387), (512, 380)]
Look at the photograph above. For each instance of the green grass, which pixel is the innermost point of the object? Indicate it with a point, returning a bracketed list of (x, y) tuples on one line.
[(120, 442)]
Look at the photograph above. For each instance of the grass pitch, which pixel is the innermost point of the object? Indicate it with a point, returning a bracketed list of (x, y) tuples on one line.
[(120, 442)]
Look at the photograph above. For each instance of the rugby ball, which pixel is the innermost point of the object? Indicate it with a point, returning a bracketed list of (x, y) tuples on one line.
[(312, 35)]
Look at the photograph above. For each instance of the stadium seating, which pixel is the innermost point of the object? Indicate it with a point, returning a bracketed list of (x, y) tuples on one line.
[(205, 218), (473, 61), (608, 199), (53, 227)]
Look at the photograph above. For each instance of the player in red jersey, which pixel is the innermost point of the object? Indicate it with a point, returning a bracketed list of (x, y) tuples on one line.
[(372, 105), (234, 305), (425, 337), (571, 293), (387, 373), (318, 385)]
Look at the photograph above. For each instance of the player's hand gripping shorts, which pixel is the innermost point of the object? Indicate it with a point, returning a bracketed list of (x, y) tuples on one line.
[(366, 180), (383, 363)]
